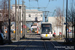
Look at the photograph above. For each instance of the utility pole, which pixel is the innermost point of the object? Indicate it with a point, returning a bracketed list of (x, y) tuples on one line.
[(66, 17), (16, 23), (19, 23), (62, 18), (46, 14), (72, 20), (23, 19), (24, 16), (37, 7), (9, 35)]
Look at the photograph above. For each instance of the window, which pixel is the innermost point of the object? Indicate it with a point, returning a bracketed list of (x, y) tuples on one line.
[(0, 15), (35, 18), (46, 28), (19, 7), (41, 15), (29, 15)]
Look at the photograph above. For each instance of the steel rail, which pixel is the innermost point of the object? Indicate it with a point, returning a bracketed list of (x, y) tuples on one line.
[(24, 46), (45, 45), (53, 45), (28, 43)]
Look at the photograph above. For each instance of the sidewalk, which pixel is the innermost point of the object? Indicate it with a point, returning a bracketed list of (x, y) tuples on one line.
[(14, 41), (60, 40), (6, 42)]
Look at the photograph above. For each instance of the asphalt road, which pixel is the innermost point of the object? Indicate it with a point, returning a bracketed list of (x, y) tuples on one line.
[(33, 42)]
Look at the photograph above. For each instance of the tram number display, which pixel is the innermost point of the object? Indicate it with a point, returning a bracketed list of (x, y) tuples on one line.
[(46, 25)]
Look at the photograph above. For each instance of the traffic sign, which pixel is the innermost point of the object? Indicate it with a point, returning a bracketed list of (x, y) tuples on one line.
[(65, 23), (24, 26), (69, 30)]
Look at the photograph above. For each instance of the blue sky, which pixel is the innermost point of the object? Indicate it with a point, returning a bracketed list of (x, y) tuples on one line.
[(51, 6)]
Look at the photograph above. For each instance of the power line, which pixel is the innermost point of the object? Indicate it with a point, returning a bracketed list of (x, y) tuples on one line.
[(34, 0), (47, 4), (29, 4), (45, 14), (36, 7), (37, 3)]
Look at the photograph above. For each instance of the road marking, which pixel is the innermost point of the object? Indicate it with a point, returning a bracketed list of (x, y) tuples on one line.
[(54, 45)]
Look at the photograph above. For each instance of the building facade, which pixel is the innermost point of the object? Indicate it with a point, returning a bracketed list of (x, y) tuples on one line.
[(32, 15), (57, 26)]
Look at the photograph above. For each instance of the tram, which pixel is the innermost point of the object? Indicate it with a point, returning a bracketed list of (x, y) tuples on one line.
[(46, 30)]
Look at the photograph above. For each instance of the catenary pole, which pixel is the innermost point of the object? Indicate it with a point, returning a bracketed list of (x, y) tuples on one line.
[(9, 35), (72, 20), (16, 19), (23, 34), (25, 19), (66, 17), (62, 18), (19, 32)]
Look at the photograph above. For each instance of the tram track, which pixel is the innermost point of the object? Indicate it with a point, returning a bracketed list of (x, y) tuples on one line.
[(45, 45), (29, 44), (24, 47), (53, 44)]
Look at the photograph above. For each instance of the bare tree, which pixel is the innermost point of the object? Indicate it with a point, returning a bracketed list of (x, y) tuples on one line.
[(59, 16), (71, 17), (59, 19), (4, 10)]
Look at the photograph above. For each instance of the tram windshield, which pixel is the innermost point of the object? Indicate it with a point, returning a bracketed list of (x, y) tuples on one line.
[(46, 28)]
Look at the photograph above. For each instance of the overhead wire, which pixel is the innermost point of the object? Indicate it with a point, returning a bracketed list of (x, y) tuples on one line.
[(38, 4), (47, 5), (29, 4), (49, 11)]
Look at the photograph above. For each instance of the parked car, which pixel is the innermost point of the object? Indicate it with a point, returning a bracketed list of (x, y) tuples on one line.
[(1, 38)]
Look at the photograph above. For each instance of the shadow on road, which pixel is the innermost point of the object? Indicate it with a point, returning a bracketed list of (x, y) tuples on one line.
[(33, 38), (36, 45), (33, 34)]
